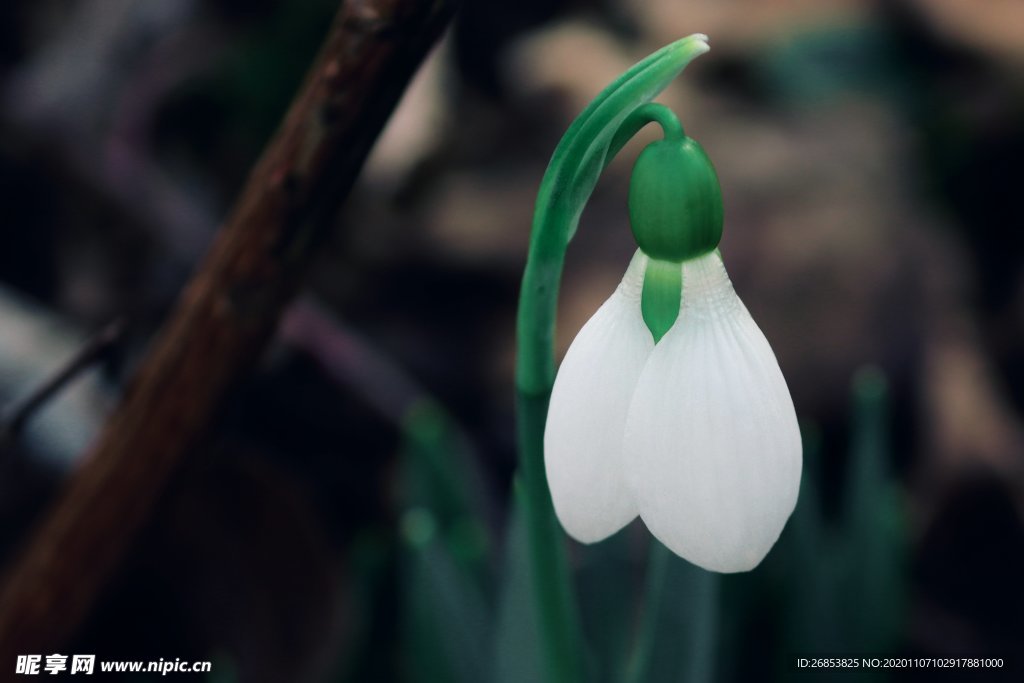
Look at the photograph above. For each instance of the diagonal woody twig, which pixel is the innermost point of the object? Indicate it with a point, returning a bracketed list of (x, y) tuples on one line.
[(223, 319)]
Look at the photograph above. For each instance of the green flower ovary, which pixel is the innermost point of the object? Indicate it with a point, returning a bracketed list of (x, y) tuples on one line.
[(675, 201)]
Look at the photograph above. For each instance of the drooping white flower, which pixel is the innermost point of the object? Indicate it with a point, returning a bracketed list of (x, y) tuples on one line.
[(697, 434)]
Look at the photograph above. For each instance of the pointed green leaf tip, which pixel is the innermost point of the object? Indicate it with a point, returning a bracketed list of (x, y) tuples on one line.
[(675, 201), (592, 140)]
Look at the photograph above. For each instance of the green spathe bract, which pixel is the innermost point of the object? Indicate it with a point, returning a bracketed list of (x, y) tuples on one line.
[(675, 201), (591, 142)]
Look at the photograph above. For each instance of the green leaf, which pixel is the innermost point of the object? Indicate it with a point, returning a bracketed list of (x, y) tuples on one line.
[(679, 634), (440, 476), (368, 655), (517, 649), (873, 523), (605, 577), (446, 572), (845, 580), (812, 568), (448, 621)]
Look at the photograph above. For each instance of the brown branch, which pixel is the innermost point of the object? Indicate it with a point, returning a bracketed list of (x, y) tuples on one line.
[(223, 319)]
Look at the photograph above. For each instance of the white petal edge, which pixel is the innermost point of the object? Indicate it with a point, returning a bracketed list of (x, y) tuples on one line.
[(712, 441), (587, 414)]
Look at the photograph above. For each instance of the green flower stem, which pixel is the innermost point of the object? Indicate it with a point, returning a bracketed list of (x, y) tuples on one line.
[(590, 143), (554, 600)]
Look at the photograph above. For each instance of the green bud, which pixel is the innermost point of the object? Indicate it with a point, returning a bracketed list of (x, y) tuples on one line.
[(675, 201), (659, 301)]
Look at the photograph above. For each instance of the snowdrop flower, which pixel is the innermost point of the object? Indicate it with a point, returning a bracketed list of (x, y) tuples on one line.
[(670, 403)]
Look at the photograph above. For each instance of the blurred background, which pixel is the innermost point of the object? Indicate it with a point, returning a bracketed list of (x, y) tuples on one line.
[(347, 516)]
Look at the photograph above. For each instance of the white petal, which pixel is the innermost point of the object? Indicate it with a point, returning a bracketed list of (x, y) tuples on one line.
[(712, 442), (587, 414)]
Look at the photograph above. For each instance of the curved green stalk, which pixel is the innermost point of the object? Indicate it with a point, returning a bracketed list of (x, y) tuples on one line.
[(591, 142)]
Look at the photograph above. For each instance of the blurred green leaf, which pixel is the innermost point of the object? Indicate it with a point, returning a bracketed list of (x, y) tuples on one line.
[(446, 567), (873, 523), (605, 582), (447, 620), (812, 571), (831, 61), (371, 559), (442, 478), (517, 648), (846, 580), (679, 635)]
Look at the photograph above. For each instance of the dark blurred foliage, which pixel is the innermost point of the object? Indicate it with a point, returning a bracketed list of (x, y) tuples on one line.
[(345, 517)]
